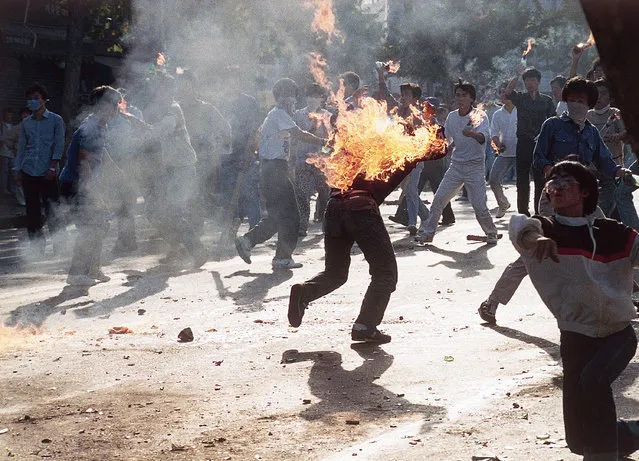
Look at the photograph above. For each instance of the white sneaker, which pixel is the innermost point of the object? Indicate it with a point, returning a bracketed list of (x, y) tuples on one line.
[(502, 211), (80, 281), (424, 237), (285, 264)]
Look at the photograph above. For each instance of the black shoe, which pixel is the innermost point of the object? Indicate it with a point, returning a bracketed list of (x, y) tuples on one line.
[(398, 220), (370, 335), (296, 306), (487, 311), (447, 222), (412, 230)]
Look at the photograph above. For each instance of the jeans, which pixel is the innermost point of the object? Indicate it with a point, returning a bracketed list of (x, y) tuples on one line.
[(247, 194), (283, 216), (472, 176), (343, 228), (40, 193), (590, 417), (309, 178), (433, 173), (414, 206), (525, 148), (625, 205), (496, 178)]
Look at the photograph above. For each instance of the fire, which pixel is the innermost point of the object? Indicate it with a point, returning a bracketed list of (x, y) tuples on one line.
[(318, 65), (20, 335), (370, 143), (324, 19), (579, 47), (531, 42), (160, 60), (392, 67), (321, 120), (476, 116)]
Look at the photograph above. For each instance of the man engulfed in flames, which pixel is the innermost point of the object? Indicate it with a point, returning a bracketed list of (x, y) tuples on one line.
[(372, 154)]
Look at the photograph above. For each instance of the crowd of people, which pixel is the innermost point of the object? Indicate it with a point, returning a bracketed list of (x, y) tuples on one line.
[(190, 163)]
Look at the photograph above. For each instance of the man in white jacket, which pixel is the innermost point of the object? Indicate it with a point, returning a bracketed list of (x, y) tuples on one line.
[(582, 269)]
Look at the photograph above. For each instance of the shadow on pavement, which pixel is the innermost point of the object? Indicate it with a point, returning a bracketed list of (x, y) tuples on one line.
[(468, 264), (251, 295), (37, 312), (551, 348), (353, 393)]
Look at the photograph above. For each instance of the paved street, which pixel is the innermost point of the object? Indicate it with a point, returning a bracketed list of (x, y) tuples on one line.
[(251, 387)]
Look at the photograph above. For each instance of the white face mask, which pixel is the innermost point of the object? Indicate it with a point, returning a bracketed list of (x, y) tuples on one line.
[(577, 112), (603, 110)]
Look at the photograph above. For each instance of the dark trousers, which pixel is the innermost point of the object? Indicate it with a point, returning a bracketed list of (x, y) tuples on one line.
[(432, 173), (590, 418), (283, 216), (40, 193), (342, 228), (525, 148)]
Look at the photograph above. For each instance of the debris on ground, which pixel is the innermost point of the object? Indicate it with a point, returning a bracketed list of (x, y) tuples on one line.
[(186, 335), (120, 331)]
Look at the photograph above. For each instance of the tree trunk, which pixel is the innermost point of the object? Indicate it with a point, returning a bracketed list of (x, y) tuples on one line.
[(78, 14), (614, 26)]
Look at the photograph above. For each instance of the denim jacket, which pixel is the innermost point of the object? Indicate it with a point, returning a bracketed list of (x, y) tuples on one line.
[(560, 137)]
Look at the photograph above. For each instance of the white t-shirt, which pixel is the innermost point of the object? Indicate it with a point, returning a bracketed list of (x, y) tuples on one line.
[(504, 126), (275, 141), (465, 148)]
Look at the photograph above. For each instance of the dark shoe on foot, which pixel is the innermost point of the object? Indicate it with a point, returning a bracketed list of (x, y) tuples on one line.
[(487, 311), (398, 220), (447, 222), (412, 230), (296, 306), (370, 335), (243, 246)]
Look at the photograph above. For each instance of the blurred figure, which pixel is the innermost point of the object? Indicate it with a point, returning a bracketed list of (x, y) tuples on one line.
[(283, 219), (308, 178), (503, 130), (82, 187), (40, 149), (556, 87), (210, 135), (7, 150), (175, 185), (608, 121)]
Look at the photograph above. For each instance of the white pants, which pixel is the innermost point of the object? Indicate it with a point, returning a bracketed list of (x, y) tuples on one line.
[(472, 176)]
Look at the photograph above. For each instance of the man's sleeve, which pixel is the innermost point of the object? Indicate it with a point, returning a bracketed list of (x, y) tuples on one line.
[(515, 97), (542, 155), (58, 140), (284, 121), (495, 126), (484, 128), (22, 144), (518, 227), (551, 110), (447, 129), (603, 157)]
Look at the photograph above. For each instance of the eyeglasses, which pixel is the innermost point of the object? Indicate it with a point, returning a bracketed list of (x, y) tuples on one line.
[(559, 183)]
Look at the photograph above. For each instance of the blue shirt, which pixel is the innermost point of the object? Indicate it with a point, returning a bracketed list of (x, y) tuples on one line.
[(561, 137), (40, 142), (89, 137)]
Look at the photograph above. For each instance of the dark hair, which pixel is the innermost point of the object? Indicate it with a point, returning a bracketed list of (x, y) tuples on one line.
[(560, 80), (315, 90), (531, 72), (36, 87), (285, 88), (586, 179), (465, 87), (24, 110), (104, 95), (579, 85), (414, 89), (351, 79)]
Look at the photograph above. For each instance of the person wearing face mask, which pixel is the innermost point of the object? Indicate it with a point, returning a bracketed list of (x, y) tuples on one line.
[(80, 184), (608, 121), (308, 178), (40, 149), (283, 219), (567, 136)]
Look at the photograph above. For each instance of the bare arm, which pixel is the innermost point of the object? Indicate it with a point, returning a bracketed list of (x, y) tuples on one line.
[(575, 63)]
